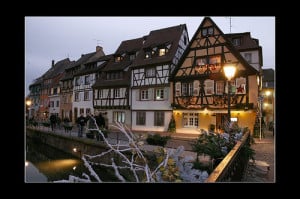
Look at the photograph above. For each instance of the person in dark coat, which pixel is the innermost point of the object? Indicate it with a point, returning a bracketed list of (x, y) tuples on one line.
[(101, 125), (81, 123), (100, 121), (52, 121)]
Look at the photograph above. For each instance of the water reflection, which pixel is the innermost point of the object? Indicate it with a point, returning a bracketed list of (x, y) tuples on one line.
[(32, 174), (47, 164)]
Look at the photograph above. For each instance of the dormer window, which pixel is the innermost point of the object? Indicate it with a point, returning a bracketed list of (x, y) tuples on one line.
[(248, 57), (132, 57), (118, 58), (162, 52), (236, 41), (148, 54), (114, 75)]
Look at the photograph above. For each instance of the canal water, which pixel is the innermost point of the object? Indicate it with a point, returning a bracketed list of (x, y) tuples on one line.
[(44, 163)]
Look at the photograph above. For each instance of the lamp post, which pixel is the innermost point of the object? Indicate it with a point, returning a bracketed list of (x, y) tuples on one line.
[(229, 71), (28, 103)]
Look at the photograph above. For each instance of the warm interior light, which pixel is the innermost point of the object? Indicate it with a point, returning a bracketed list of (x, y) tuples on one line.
[(28, 102), (229, 71), (268, 93), (75, 150)]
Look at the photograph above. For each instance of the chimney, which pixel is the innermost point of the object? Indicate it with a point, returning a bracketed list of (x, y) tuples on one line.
[(98, 48), (52, 63)]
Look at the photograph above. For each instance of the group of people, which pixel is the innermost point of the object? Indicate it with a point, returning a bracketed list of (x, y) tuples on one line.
[(82, 121)]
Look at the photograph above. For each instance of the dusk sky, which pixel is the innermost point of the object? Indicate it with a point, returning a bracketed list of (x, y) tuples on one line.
[(56, 38)]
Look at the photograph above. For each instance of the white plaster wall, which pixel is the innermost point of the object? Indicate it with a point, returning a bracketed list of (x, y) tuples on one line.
[(149, 104), (149, 126), (255, 58)]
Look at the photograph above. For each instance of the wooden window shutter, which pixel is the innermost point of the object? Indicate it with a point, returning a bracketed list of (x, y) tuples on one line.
[(151, 94), (166, 93), (178, 89), (137, 95)]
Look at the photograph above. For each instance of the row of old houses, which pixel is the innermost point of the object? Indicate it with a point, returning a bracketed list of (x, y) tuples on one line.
[(157, 77)]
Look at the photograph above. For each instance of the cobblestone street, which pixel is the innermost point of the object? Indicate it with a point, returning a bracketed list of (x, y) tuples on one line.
[(263, 168)]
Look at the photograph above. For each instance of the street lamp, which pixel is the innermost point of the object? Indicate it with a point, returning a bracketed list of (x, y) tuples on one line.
[(229, 71), (28, 103)]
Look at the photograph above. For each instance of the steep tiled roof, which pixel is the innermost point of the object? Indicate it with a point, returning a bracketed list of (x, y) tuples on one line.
[(57, 69), (159, 37), (37, 82), (82, 60), (246, 41), (103, 62), (131, 45), (128, 46), (98, 55)]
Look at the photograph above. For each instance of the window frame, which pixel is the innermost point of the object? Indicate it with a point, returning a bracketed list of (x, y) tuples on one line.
[(144, 94), (86, 95), (150, 72), (159, 118), (141, 118), (119, 115), (159, 94)]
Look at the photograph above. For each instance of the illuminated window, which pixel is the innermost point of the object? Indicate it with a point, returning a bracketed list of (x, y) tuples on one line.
[(159, 94), (148, 54), (162, 52), (118, 58), (234, 119)]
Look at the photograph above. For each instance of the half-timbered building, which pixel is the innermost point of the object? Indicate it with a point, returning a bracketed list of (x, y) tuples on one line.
[(150, 72), (83, 79), (111, 91), (200, 88)]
